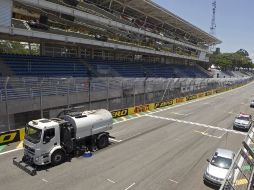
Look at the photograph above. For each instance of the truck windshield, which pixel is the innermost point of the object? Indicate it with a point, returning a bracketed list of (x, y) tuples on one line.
[(33, 134)]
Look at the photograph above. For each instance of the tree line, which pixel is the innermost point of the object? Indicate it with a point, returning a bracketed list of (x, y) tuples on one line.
[(232, 61)]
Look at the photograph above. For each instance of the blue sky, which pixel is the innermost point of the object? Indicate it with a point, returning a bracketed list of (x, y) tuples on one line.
[(234, 20)]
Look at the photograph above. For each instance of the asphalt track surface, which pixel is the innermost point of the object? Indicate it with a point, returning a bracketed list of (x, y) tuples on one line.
[(161, 150)]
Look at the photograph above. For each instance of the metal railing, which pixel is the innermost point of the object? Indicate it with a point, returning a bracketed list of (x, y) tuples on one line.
[(240, 175), (94, 93), (30, 87)]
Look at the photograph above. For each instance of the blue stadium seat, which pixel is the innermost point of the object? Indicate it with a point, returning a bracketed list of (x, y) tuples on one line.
[(43, 66)]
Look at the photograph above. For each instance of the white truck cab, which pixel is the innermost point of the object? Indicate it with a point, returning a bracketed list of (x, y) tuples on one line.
[(42, 138)]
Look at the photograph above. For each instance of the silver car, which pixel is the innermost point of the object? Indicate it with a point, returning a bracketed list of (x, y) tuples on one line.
[(243, 121), (218, 166), (252, 103)]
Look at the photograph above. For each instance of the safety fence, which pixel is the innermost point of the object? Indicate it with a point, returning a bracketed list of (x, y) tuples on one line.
[(240, 175), (27, 98), (18, 135), (31, 87)]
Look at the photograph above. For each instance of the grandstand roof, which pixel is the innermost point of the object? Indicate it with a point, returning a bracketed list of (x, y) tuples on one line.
[(152, 9)]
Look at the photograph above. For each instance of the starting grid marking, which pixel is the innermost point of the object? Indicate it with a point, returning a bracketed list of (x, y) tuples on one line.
[(197, 124), (208, 135)]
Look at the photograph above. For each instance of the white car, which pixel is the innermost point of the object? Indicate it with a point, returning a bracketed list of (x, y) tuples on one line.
[(243, 121), (218, 166)]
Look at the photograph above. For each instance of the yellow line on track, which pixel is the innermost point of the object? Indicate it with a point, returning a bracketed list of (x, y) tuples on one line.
[(20, 145)]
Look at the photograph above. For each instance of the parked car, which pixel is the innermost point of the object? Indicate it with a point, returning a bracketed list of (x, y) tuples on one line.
[(243, 121), (252, 103), (218, 166)]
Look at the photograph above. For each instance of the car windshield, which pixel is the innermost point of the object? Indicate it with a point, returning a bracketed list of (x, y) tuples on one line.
[(221, 162), (32, 134), (243, 118)]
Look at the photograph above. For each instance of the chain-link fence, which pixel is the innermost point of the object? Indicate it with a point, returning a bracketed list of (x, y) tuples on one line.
[(26, 98), (240, 175)]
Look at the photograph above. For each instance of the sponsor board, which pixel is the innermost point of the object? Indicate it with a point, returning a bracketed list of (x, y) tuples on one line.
[(180, 100), (164, 104), (188, 98), (219, 90), (9, 137), (208, 93), (141, 108), (152, 106), (22, 134), (119, 113), (200, 95)]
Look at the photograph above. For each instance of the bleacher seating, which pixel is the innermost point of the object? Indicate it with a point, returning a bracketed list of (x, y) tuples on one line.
[(143, 69), (23, 65), (43, 66)]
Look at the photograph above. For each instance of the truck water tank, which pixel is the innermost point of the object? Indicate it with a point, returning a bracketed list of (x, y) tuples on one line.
[(90, 122)]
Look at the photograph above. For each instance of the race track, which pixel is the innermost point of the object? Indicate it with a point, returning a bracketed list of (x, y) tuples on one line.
[(161, 150)]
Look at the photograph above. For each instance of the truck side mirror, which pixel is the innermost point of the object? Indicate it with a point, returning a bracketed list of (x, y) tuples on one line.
[(46, 139)]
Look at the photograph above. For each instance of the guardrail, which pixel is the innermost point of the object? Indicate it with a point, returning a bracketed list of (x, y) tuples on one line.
[(240, 175)]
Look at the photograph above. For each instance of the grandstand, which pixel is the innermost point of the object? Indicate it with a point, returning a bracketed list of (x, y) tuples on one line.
[(103, 30), (89, 39)]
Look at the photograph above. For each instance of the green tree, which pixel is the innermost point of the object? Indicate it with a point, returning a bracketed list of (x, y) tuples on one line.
[(225, 61)]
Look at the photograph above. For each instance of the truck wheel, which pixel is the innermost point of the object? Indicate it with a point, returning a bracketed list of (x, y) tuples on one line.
[(57, 157), (102, 141)]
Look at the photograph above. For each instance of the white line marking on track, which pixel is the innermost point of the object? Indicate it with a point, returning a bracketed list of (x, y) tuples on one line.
[(14, 150), (207, 134), (127, 120), (223, 134), (44, 180), (198, 124), (117, 132), (130, 186), (205, 131), (111, 181), (115, 140), (181, 114), (173, 181)]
